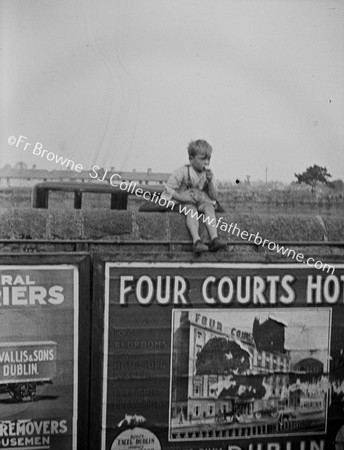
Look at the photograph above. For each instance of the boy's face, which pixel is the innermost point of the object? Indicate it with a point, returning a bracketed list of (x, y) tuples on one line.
[(200, 161)]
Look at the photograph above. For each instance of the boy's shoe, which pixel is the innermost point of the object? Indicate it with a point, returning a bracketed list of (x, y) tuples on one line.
[(217, 244), (199, 247)]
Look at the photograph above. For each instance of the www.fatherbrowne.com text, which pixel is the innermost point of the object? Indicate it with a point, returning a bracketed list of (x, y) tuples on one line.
[(233, 228)]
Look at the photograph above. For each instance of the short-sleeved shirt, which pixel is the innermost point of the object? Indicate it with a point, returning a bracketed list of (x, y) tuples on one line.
[(185, 178)]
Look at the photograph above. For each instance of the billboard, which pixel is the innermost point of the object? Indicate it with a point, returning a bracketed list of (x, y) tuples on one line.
[(39, 355), (220, 356)]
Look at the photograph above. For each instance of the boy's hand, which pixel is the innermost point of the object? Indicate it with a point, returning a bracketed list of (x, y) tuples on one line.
[(209, 174)]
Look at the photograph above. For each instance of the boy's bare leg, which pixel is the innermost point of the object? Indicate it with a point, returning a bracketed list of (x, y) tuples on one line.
[(215, 242), (209, 211), (192, 224)]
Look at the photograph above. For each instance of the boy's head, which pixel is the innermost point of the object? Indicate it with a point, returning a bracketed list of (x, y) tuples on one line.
[(199, 154)]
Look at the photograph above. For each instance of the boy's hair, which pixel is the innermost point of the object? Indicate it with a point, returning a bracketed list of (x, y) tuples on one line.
[(199, 146)]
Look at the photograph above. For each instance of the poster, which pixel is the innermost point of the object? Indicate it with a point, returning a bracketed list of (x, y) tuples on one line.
[(233, 356), (39, 357), (253, 370)]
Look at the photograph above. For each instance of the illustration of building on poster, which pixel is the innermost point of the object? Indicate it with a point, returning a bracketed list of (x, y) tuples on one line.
[(241, 372)]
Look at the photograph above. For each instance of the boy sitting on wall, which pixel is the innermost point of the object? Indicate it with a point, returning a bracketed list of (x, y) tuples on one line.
[(193, 186)]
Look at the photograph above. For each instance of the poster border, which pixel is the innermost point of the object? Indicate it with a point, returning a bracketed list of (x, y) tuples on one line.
[(79, 263), (105, 285), (74, 269), (238, 310)]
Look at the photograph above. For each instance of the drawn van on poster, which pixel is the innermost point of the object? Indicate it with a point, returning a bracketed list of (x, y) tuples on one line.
[(26, 365)]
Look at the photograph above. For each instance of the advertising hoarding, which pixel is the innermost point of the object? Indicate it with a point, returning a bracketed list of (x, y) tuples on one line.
[(39, 355), (221, 356)]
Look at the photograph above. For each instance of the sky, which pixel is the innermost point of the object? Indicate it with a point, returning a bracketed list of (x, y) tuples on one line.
[(129, 83)]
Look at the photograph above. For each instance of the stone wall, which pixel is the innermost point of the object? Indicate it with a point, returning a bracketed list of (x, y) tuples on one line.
[(136, 234), (28, 223)]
